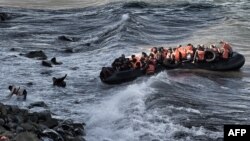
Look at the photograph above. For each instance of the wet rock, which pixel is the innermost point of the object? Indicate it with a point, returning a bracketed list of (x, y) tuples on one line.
[(43, 116), (78, 125), (59, 81), (28, 126), (33, 118), (220, 139), (26, 136), (19, 129), (77, 102), (51, 123), (69, 138), (53, 61), (52, 134), (74, 68), (46, 63), (3, 16), (67, 38), (29, 84), (69, 50), (155, 140), (79, 132), (40, 55), (202, 138), (14, 122), (88, 44), (2, 122), (15, 49), (3, 110), (38, 104), (47, 72), (180, 135), (14, 109), (78, 138)]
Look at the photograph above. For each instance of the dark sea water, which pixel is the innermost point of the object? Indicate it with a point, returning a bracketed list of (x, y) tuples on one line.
[(183, 105)]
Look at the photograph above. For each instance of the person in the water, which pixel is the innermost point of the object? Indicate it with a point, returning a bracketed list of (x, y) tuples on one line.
[(59, 81), (18, 91)]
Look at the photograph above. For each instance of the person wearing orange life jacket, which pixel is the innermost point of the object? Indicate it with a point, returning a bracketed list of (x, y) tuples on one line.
[(226, 50), (214, 48), (177, 55), (151, 68), (190, 49), (161, 55), (152, 59), (135, 61), (148, 65), (186, 52), (151, 65), (199, 55), (183, 52), (154, 50)]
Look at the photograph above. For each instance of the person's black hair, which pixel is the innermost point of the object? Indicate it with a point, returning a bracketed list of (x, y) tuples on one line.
[(161, 49), (10, 87), (144, 54)]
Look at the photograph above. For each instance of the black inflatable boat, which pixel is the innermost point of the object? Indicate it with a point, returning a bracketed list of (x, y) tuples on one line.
[(235, 62)]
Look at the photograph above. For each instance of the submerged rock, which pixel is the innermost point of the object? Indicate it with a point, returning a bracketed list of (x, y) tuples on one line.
[(46, 63), (40, 55), (69, 50), (29, 83), (53, 61), (69, 39), (15, 49), (38, 104), (3, 16)]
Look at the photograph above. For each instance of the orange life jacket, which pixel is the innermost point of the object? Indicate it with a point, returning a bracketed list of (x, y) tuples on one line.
[(177, 55), (190, 50), (153, 60), (201, 55), (227, 49), (150, 69), (183, 52), (225, 54), (227, 46)]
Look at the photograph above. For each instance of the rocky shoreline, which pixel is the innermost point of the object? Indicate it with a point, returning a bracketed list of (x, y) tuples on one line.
[(22, 125)]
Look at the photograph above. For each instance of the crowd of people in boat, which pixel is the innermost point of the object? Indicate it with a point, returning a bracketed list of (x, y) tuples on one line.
[(170, 56)]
